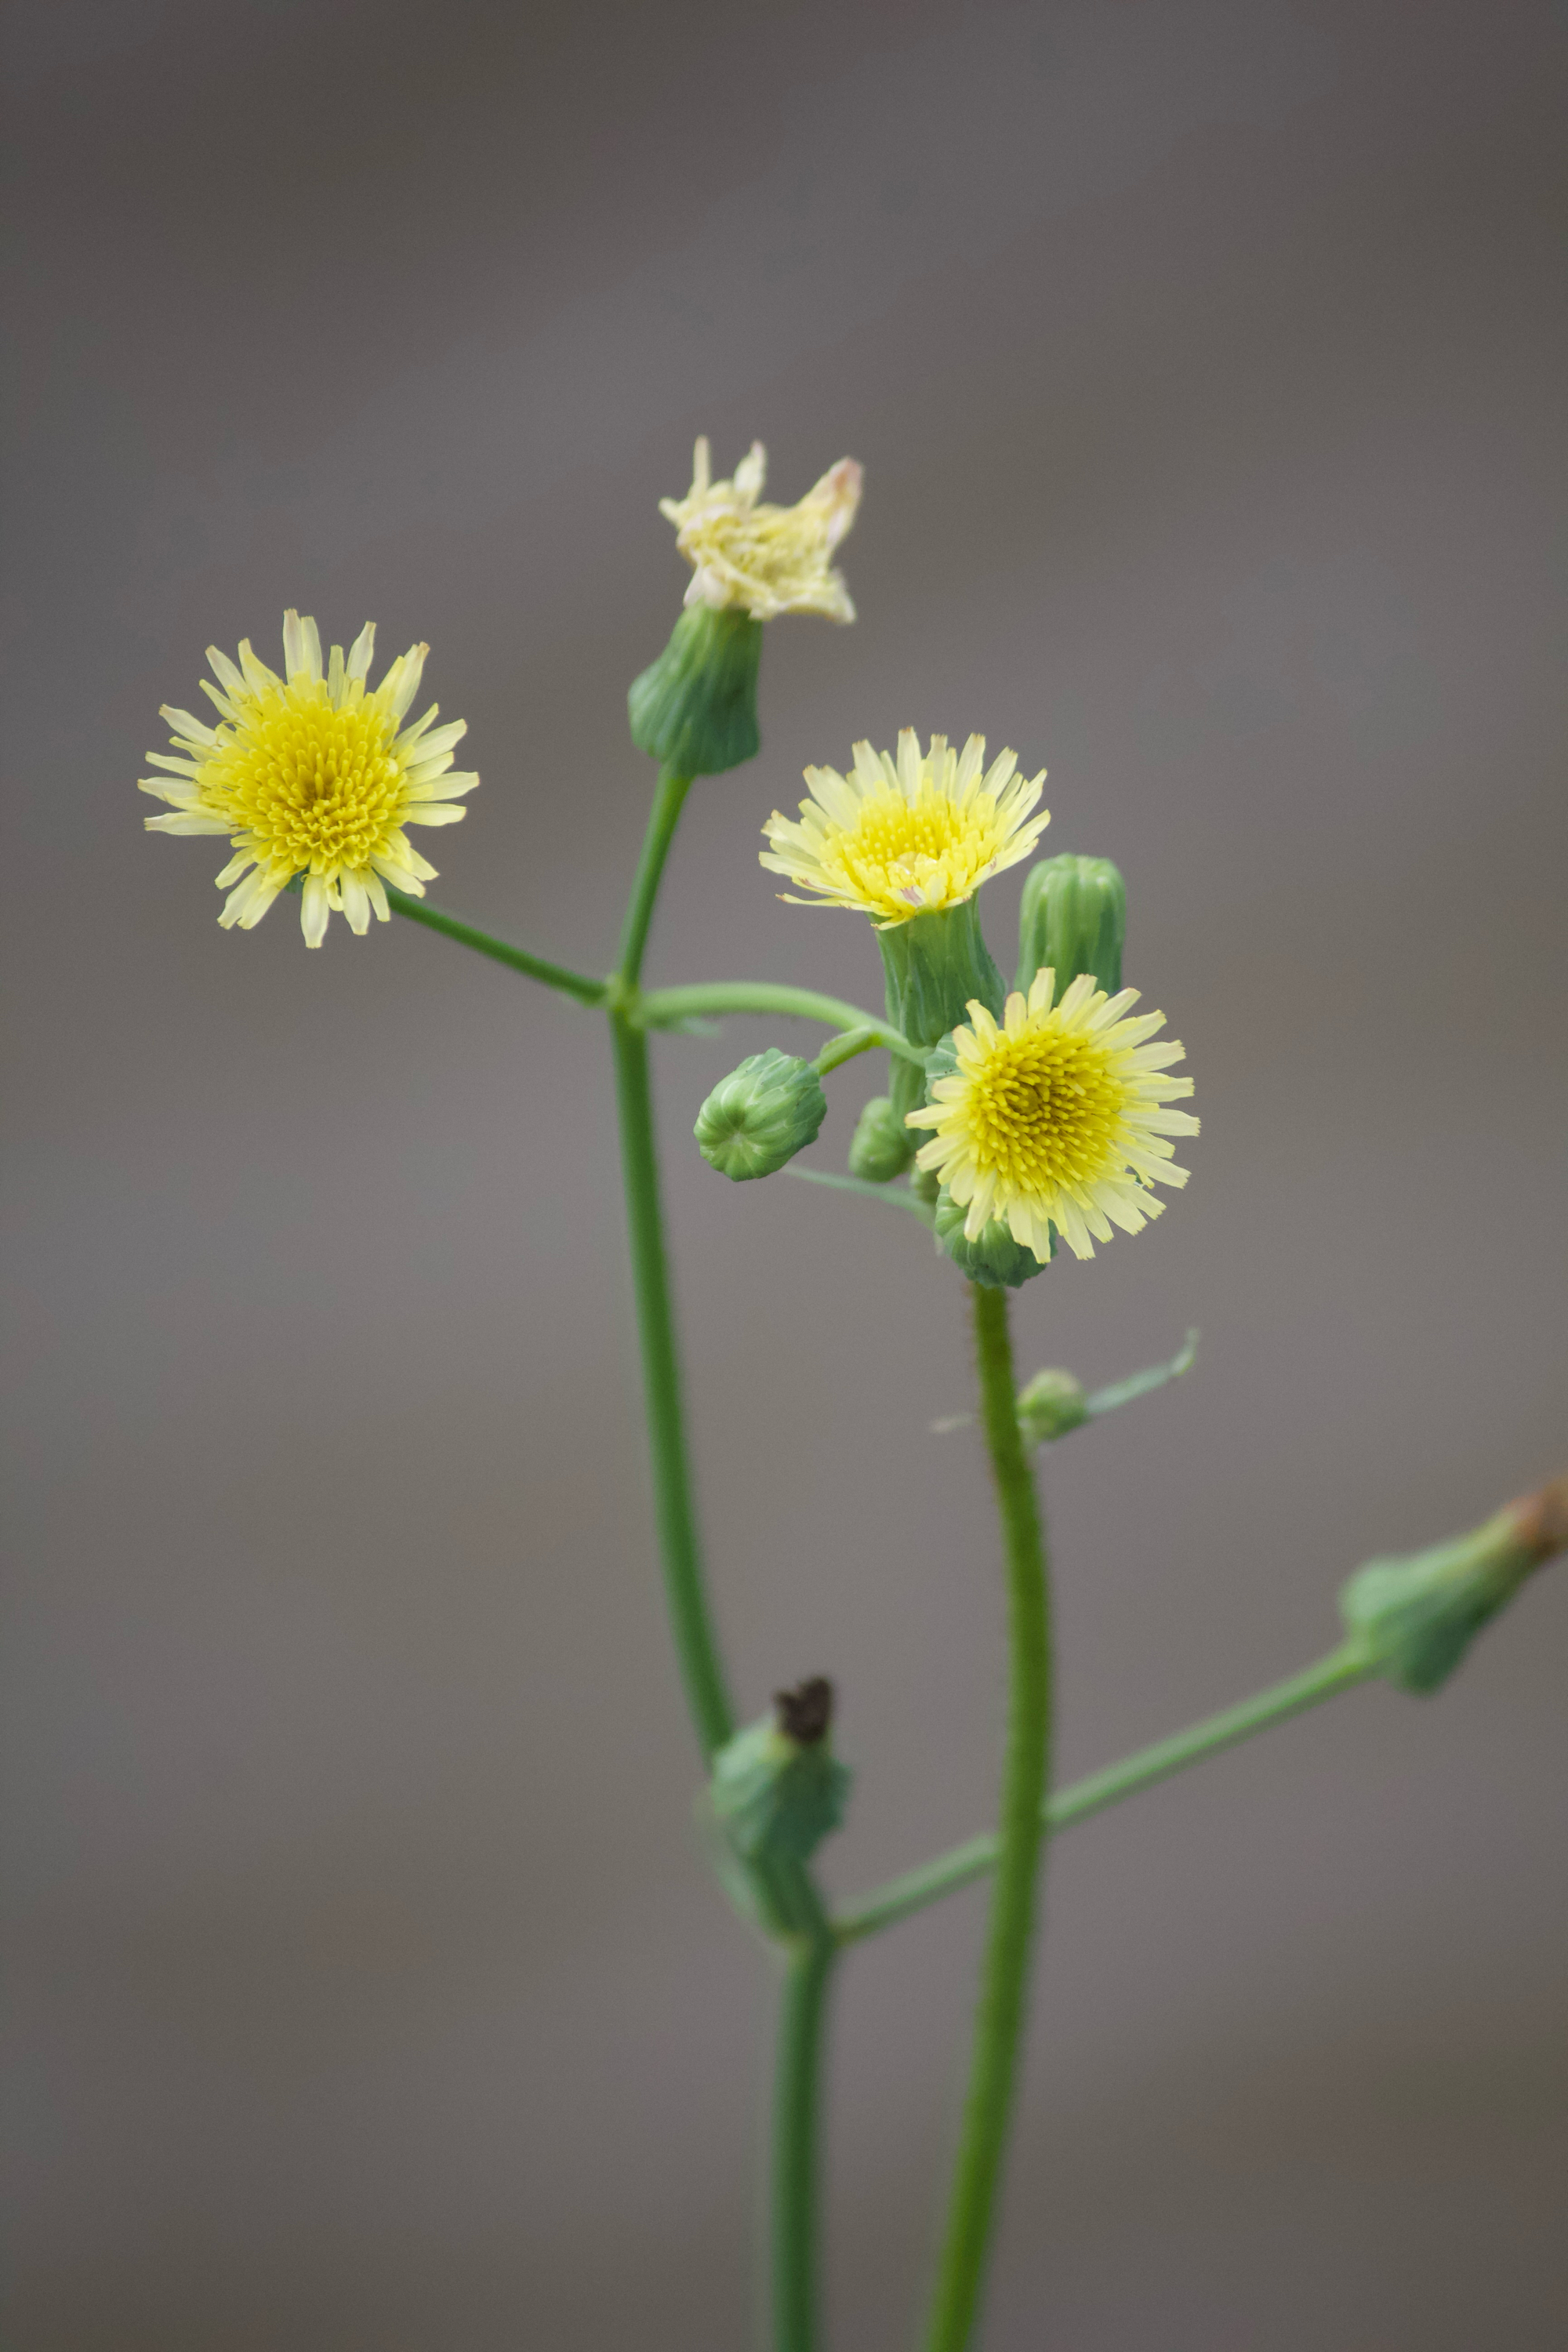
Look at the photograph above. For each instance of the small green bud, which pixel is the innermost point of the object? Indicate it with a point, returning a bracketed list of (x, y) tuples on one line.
[(996, 1259), (695, 709), (1416, 1618), (933, 965), (881, 1146), (1049, 1405), (778, 1789), (1073, 918), (760, 1116)]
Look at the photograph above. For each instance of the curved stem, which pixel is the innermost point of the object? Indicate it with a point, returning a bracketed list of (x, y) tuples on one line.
[(798, 2129), (675, 1509), (554, 975), (843, 1048), (662, 1008), (1342, 1670), (667, 803), (1004, 1968)]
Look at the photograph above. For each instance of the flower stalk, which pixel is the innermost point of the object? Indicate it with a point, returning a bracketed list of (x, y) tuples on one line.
[(1002, 2006), (796, 2183)]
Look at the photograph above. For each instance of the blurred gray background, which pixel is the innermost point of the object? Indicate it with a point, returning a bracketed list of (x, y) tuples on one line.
[(1206, 357)]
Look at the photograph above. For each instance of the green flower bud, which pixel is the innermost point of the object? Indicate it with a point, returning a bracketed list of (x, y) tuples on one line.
[(777, 1789), (933, 965), (760, 1116), (1073, 918), (882, 1146), (695, 709), (996, 1259), (1049, 1405), (1416, 1618)]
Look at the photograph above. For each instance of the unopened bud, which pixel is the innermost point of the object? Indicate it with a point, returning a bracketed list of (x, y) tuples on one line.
[(1074, 918), (881, 1146), (761, 1115), (695, 709), (1416, 1618), (994, 1258), (1049, 1405), (778, 1789)]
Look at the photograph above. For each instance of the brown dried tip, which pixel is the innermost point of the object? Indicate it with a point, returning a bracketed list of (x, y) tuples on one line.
[(805, 1712), (1541, 1520)]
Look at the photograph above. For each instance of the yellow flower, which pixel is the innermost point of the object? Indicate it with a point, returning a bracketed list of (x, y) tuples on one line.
[(768, 560), (1056, 1118), (309, 775), (906, 840)]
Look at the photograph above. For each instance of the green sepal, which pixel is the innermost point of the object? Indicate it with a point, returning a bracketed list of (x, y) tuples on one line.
[(882, 1146), (695, 709), (1050, 1406), (776, 1798), (1416, 1617), (757, 1118), (996, 1259), (933, 965), (1074, 918)]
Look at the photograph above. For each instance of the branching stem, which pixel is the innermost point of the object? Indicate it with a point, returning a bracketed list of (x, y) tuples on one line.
[(1342, 1670)]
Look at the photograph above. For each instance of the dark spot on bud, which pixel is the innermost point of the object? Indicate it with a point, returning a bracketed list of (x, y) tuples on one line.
[(805, 1712), (1541, 1520)]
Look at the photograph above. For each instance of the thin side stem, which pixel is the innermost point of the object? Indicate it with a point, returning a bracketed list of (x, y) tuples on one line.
[(1342, 1670), (554, 975), (896, 1195), (664, 1008), (1004, 1968), (667, 803), (842, 1049)]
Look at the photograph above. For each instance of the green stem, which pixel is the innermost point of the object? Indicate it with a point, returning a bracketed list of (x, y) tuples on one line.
[(1004, 1968), (667, 803), (674, 1505), (554, 975), (841, 1049), (664, 1008), (1342, 1670), (797, 2128)]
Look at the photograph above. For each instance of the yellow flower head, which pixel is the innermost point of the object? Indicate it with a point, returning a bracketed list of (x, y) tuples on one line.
[(905, 840), (1056, 1118), (308, 774), (768, 560)]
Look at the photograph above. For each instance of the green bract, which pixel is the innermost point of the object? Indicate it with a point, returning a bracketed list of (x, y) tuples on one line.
[(760, 1116), (695, 709), (1073, 918), (996, 1259), (933, 965)]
